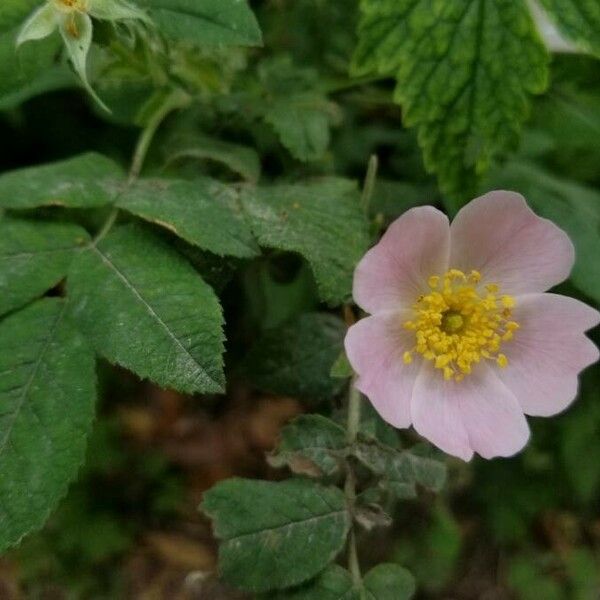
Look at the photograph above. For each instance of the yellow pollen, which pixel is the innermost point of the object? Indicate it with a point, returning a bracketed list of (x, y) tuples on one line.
[(458, 324)]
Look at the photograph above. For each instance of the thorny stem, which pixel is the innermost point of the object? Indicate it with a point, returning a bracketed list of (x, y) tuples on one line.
[(176, 99)]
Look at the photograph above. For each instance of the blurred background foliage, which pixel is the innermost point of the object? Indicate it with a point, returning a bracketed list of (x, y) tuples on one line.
[(526, 528)]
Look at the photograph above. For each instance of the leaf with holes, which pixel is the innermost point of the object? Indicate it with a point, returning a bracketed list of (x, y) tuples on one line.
[(34, 256), (47, 395), (321, 220), (310, 445), (203, 212), (155, 315), (276, 535), (83, 181), (465, 70), (578, 20), (206, 22)]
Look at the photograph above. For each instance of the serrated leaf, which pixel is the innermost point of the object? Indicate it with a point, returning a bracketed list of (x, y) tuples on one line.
[(155, 315), (206, 22), (47, 394), (574, 207), (389, 582), (310, 445), (276, 535), (578, 20), (203, 212), (34, 256), (240, 159), (400, 470), (302, 122), (83, 181), (295, 359), (321, 220), (464, 69), (333, 584)]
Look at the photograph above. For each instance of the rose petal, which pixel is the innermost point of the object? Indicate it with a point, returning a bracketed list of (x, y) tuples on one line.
[(548, 351), (375, 347), (500, 236), (395, 271), (478, 414)]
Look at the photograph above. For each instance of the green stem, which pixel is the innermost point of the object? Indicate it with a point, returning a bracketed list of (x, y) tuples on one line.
[(176, 99), (369, 184), (352, 427)]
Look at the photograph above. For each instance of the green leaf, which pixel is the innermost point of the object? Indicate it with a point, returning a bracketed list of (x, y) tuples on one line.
[(573, 207), (155, 315), (299, 112), (203, 212), (47, 394), (334, 583), (401, 470), (389, 582), (321, 220), (14, 12), (295, 359), (276, 535), (578, 20), (464, 71), (85, 181), (310, 445), (341, 368), (206, 22), (240, 159), (34, 256)]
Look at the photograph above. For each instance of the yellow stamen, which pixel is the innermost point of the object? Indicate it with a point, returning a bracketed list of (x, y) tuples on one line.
[(457, 324)]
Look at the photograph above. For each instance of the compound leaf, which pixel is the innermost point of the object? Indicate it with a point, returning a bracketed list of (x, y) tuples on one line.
[(47, 395), (321, 220), (276, 535), (155, 315), (203, 212), (34, 256), (84, 181)]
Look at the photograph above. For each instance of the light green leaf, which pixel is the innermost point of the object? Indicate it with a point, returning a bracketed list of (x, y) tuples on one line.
[(573, 207), (47, 394), (85, 181), (240, 159), (341, 368), (276, 535), (333, 584), (464, 70), (310, 445), (401, 470), (34, 256), (578, 20), (321, 220), (206, 22), (389, 582), (203, 212), (295, 359), (155, 315)]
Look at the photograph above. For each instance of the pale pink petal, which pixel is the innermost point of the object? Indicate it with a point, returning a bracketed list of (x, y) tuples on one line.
[(500, 236), (548, 351), (478, 414), (374, 347), (395, 271)]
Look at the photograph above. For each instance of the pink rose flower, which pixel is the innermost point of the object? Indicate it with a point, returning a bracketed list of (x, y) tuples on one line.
[(463, 342)]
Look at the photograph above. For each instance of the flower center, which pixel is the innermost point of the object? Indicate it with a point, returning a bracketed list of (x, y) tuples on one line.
[(71, 5), (458, 323)]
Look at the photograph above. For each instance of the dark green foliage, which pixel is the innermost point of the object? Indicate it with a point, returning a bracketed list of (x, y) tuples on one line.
[(155, 314), (295, 359), (47, 395), (276, 535), (34, 256)]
